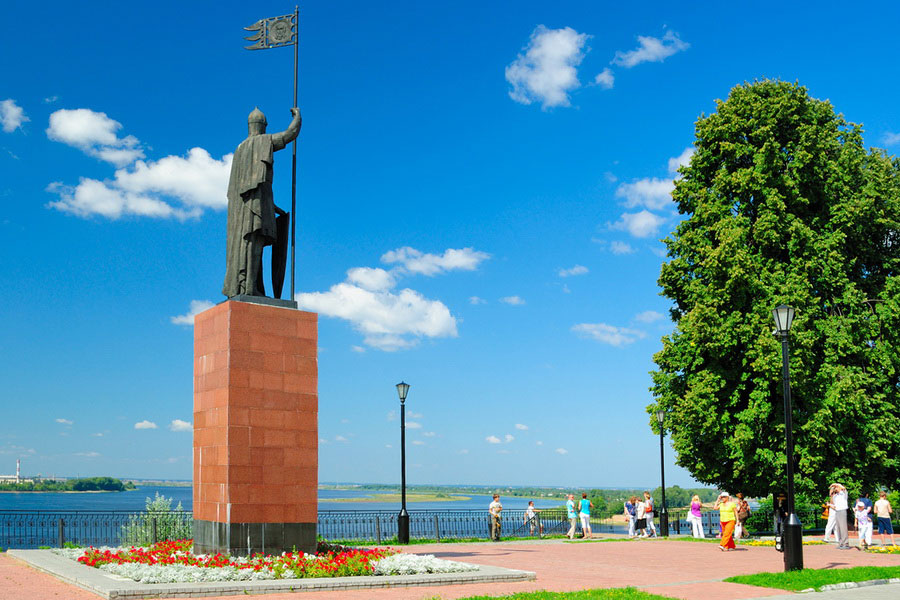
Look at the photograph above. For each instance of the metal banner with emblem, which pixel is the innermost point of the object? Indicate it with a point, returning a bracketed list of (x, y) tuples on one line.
[(273, 32)]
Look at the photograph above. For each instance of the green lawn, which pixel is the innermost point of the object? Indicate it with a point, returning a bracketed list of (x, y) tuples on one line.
[(607, 594), (815, 578)]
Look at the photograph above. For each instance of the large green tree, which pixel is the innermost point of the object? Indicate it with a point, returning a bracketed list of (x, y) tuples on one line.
[(782, 203)]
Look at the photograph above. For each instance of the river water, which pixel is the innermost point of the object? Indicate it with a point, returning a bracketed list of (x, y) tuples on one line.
[(136, 499)]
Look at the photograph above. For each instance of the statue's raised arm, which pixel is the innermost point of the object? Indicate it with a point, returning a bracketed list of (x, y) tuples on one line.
[(282, 139)]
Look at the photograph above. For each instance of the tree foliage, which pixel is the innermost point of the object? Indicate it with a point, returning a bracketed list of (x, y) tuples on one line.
[(783, 204)]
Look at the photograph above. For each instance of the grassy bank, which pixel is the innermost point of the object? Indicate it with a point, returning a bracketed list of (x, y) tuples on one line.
[(815, 578)]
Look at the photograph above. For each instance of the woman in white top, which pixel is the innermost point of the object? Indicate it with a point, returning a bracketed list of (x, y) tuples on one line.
[(838, 504)]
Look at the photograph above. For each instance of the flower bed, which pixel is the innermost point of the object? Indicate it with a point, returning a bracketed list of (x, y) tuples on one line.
[(772, 543), (173, 562), (884, 549)]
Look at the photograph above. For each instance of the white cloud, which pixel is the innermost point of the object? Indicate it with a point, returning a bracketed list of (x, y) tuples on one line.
[(562, 451), (682, 160), (512, 300), (610, 177), (388, 446), (476, 300), (620, 248), (197, 307), (174, 186), (492, 439), (640, 224), (413, 425), (392, 415), (358, 349), (650, 192), (88, 454), (503, 451), (94, 133), (340, 438), (651, 49), (418, 443), (547, 70), (565, 289), (414, 261), (368, 278), (428, 434), (65, 421), (97, 435), (608, 334), (539, 443), (11, 115), (415, 415), (392, 320), (464, 451), (179, 425), (322, 441), (648, 316), (605, 79), (50, 99), (890, 139), (384, 318), (145, 425), (508, 438), (521, 427), (576, 270)]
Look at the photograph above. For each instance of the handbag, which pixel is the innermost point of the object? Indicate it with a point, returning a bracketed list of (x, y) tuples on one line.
[(641, 524)]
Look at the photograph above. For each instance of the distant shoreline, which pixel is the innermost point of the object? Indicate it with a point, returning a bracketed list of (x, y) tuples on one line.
[(66, 491), (391, 497)]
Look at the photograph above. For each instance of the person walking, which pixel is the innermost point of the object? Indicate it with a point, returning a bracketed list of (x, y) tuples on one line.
[(695, 517), (630, 515), (585, 514), (531, 519), (727, 517), (883, 512), (863, 519), (743, 513), (495, 509), (648, 513), (570, 514), (641, 522), (838, 504), (830, 523)]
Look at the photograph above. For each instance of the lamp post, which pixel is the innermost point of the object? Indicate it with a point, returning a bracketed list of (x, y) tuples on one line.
[(403, 517), (663, 513), (792, 530)]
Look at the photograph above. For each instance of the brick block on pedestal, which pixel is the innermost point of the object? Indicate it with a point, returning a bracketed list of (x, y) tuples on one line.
[(255, 429)]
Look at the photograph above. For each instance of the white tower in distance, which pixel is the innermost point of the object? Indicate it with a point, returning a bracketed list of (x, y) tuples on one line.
[(17, 471)]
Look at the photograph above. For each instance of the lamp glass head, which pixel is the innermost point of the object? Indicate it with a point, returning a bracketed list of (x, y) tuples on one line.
[(784, 317), (660, 415), (402, 390)]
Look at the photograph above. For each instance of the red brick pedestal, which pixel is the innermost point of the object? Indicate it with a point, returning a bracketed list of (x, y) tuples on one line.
[(255, 429)]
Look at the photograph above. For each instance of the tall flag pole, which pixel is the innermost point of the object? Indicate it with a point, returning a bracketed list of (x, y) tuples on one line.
[(276, 32)]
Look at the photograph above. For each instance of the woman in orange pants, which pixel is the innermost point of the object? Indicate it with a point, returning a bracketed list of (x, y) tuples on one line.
[(728, 518)]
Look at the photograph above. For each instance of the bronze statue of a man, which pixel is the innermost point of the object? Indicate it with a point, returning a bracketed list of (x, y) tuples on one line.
[(251, 206)]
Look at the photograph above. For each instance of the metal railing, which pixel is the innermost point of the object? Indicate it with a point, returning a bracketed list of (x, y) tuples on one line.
[(33, 529)]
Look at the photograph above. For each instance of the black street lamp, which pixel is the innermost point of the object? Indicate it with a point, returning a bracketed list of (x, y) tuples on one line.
[(663, 513), (792, 530), (403, 517)]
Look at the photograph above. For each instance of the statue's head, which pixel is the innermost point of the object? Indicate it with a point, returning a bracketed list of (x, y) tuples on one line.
[(256, 122)]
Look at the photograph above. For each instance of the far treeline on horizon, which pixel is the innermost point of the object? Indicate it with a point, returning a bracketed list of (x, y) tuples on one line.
[(574, 276)]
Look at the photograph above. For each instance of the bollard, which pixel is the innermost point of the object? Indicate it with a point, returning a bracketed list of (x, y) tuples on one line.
[(153, 535), (377, 530), (61, 533), (437, 529)]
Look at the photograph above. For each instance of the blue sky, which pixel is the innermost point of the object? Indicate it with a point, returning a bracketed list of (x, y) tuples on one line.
[(482, 191)]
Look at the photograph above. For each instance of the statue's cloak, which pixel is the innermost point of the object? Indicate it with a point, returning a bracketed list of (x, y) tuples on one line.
[(251, 208)]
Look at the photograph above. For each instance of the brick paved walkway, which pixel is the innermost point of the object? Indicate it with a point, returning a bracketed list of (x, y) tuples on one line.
[(687, 570)]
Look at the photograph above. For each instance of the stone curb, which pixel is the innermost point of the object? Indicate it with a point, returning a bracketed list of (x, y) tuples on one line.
[(113, 587), (849, 585)]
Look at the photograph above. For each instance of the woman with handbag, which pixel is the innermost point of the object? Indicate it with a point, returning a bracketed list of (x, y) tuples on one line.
[(695, 517)]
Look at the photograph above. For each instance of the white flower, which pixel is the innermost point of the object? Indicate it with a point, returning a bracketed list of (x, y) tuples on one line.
[(410, 564)]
